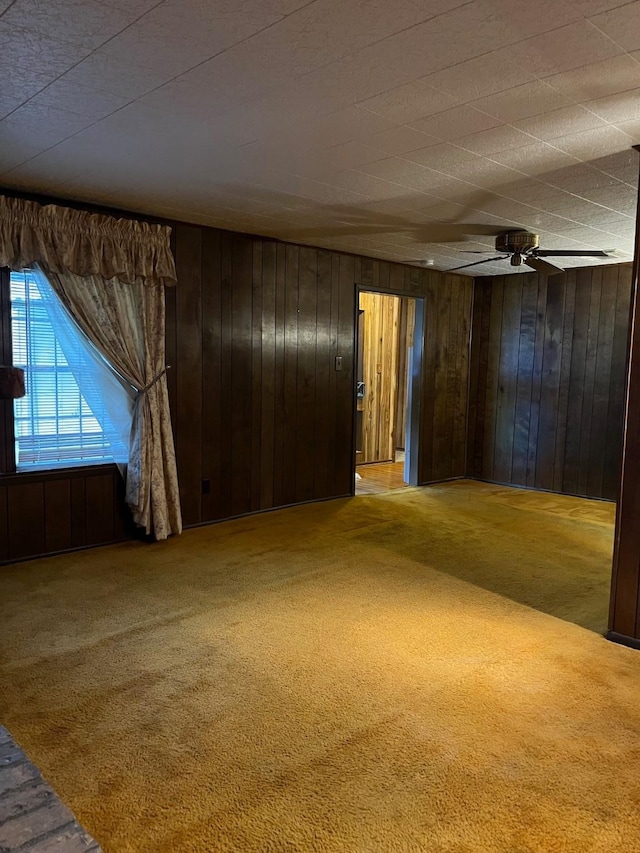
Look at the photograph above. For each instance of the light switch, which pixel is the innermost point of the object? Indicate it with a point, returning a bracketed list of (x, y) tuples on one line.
[(338, 362)]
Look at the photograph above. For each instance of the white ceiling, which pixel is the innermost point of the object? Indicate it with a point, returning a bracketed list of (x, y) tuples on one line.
[(342, 123)]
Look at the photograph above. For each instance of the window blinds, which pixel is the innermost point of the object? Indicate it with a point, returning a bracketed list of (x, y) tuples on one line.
[(63, 420)]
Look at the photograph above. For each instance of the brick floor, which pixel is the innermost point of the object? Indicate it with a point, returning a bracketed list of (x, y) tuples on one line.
[(32, 817)]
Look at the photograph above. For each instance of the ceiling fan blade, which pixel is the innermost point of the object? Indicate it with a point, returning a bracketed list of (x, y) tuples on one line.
[(341, 231), (570, 253), (453, 232), (475, 263), (541, 266), (436, 232)]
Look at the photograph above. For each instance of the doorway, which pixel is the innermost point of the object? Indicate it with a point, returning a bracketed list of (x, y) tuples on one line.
[(388, 367)]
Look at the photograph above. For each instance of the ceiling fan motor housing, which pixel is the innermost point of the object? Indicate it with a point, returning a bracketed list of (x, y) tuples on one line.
[(517, 243)]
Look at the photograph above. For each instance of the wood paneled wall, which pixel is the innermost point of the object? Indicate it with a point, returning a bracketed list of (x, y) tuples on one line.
[(547, 380), (260, 414), (445, 389), (48, 512), (380, 323)]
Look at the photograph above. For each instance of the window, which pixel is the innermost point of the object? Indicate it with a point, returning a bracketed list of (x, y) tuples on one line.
[(65, 417)]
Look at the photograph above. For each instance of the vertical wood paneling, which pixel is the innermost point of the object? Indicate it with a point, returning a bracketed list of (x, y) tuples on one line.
[(171, 354), (448, 333), (524, 381), (306, 373), (280, 349), (381, 353), (78, 513), (390, 365), (189, 370), (403, 343), (256, 376), (226, 383), (241, 364), (336, 432), (575, 405), (441, 435), (550, 386), (26, 520), (123, 524), (268, 366), (52, 511), (212, 411), (561, 344), (565, 373), (537, 381), (478, 376), (99, 509), (493, 377), (463, 361), (507, 377), (291, 293), (324, 374), (589, 381), (4, 525), (57, 513), (445, 373)]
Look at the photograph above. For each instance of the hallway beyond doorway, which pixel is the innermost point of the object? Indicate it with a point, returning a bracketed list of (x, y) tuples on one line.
[(381, 477)]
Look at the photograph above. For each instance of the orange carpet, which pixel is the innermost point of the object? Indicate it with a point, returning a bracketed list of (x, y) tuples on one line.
[(402, 672)]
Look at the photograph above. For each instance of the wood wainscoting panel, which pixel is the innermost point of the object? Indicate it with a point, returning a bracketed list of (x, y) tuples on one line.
[(48, 512)]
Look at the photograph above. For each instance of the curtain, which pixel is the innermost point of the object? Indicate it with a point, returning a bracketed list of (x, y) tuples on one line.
[(126, 323), (110, 274), (109, 397), (62, 239)]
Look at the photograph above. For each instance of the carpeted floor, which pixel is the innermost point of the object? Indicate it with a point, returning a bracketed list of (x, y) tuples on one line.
[(406, 672)]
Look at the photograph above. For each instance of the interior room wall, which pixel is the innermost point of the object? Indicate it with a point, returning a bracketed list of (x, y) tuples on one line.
[(381, 352), (260, 414), (547, 382), (261, 417)]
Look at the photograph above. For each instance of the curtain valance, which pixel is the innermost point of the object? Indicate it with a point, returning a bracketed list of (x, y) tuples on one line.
[(63, 240)]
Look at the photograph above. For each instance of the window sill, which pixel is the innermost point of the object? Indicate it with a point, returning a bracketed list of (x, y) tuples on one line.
[(71, 473)]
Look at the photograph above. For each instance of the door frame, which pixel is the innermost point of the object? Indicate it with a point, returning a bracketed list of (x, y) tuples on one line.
[(414, 384)]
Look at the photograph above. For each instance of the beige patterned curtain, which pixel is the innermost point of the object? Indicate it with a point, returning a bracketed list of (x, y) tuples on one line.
[(126, 323), (61, 239), (110, 275)]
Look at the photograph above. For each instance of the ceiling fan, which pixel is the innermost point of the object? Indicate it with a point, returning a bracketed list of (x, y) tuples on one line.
[(521, 247)]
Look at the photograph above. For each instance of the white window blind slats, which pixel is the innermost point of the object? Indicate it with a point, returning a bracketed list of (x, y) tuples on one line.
[(54, 424)]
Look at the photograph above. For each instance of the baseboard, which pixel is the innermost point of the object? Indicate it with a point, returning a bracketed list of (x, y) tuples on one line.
[(538, 489), (443, 480), (623, 640)]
